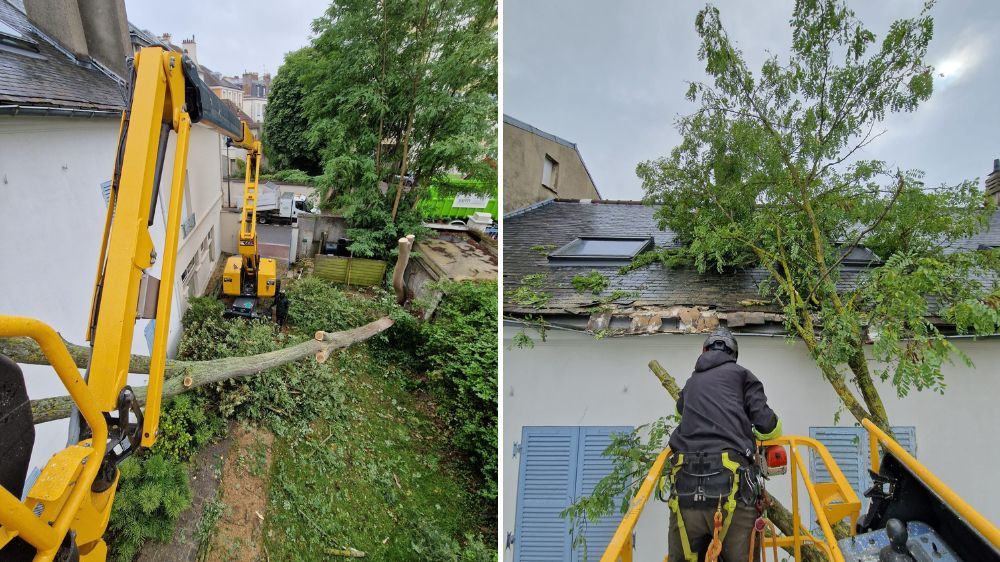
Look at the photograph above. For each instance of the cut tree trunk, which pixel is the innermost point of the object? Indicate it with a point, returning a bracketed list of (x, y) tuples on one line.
[(182, 376), (778, 513)]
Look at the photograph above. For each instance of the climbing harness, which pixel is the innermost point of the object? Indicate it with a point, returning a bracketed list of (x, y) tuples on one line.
[(695, 479)]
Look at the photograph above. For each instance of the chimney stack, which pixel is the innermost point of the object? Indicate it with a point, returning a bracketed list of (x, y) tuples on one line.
[(993, 183), (90, 29), (105, 26), (190, 49), (61, 21)]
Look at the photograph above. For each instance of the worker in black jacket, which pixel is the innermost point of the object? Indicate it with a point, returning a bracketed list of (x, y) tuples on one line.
[(722, 410)]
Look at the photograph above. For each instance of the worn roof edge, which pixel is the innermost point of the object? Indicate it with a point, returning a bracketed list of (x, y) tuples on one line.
[(529, 208), (513, 121)]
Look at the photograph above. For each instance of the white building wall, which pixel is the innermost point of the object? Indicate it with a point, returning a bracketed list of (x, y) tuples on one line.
[(254, 107), (573, 379), (52, 215)]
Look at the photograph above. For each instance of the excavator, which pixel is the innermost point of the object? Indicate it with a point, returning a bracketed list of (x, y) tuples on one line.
[(65, 512), (912, 515)]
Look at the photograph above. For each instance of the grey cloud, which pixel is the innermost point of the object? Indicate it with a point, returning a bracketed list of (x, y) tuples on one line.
[(611, 77)]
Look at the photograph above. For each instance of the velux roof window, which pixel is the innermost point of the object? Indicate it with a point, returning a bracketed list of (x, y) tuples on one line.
[(589, 249), (14, 38)]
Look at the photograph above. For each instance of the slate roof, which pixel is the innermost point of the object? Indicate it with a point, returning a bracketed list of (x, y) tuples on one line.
[(51, 78), (557, 222)]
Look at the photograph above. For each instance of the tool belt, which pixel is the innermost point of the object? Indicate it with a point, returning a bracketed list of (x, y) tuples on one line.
[(706, 480)]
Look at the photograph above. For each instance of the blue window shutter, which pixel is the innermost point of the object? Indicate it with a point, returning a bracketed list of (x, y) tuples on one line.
[(591, 468), (906, 436), (545, 487), (106, 191)]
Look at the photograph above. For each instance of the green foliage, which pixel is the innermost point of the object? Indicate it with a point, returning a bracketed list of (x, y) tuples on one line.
[(632, 456), (291, 176), (543, 249), (286, 123), (460, 346), (529, 293), (671, 258), (595, 282), (315, 304), (378, 77), (187, 422), (153, 490), (767, 174)]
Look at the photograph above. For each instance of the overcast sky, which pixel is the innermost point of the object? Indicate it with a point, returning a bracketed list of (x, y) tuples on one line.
[(611, 77), (251, 35)]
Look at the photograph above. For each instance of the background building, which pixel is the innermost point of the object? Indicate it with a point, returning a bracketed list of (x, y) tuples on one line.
[(539, 166)]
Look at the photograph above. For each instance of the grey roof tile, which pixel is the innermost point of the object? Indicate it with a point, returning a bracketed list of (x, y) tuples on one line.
[(557, 222), (51, 78)]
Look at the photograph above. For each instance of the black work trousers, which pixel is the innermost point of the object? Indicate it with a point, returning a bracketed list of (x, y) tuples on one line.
[(700, 522)]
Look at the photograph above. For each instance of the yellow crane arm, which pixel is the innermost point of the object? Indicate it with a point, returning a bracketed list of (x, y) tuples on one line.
[(76, 488)]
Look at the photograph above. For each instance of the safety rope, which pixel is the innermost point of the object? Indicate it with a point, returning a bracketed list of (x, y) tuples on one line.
[(759, 528), (715, 547)]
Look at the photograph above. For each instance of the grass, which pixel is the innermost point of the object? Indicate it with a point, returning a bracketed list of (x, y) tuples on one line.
[(374, 475)]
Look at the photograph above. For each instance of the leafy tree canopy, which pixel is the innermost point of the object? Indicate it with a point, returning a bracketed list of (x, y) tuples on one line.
[(768, 174), (397, 93)]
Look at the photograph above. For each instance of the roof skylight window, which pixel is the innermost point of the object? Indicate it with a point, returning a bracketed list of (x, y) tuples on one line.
[(601, 249), (14, 38)]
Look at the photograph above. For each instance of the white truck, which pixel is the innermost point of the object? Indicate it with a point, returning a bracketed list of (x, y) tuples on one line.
[(276, 207)]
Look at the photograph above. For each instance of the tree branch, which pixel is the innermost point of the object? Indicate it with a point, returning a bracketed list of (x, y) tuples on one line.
[(199, 373)]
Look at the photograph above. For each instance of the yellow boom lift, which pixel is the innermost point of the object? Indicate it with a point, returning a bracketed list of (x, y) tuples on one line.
[(65, 512), (912, 517), (248, 276)]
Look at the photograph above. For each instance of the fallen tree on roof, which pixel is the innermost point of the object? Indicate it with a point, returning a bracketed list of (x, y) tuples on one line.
[(182, 376)]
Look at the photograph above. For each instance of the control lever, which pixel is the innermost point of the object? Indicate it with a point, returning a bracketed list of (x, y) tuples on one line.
[(896, 551)]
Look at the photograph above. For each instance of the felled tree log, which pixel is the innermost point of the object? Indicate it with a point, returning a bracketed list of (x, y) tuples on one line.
[(778, 513), (182, 376)]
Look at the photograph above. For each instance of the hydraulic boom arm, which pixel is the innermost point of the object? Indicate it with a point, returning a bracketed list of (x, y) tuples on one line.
[(66, 511)]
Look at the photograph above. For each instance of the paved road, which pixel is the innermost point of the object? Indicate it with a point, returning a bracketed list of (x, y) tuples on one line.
[(273, 234)]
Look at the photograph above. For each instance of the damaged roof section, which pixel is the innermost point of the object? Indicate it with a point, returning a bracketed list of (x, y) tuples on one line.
[(648, 300), (651, 299)]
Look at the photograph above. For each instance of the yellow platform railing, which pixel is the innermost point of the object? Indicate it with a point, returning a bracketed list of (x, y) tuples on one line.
[(46, 529), (878, 437), (831, 501)]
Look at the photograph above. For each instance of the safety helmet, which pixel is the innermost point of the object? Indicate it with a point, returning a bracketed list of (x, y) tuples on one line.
[(724, 340)]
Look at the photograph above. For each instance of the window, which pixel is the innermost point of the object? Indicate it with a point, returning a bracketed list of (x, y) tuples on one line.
[(188, 219), (559, 465), (849, 448), (14, 38), (587, 249), (550, 172)]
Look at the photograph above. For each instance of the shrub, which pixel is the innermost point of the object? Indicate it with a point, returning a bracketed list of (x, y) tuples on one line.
[(460, 346), (187, 422), (291, 176), (315, 304), (153, 490)]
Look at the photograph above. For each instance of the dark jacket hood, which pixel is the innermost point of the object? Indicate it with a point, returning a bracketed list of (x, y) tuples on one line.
[(711, 359)]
